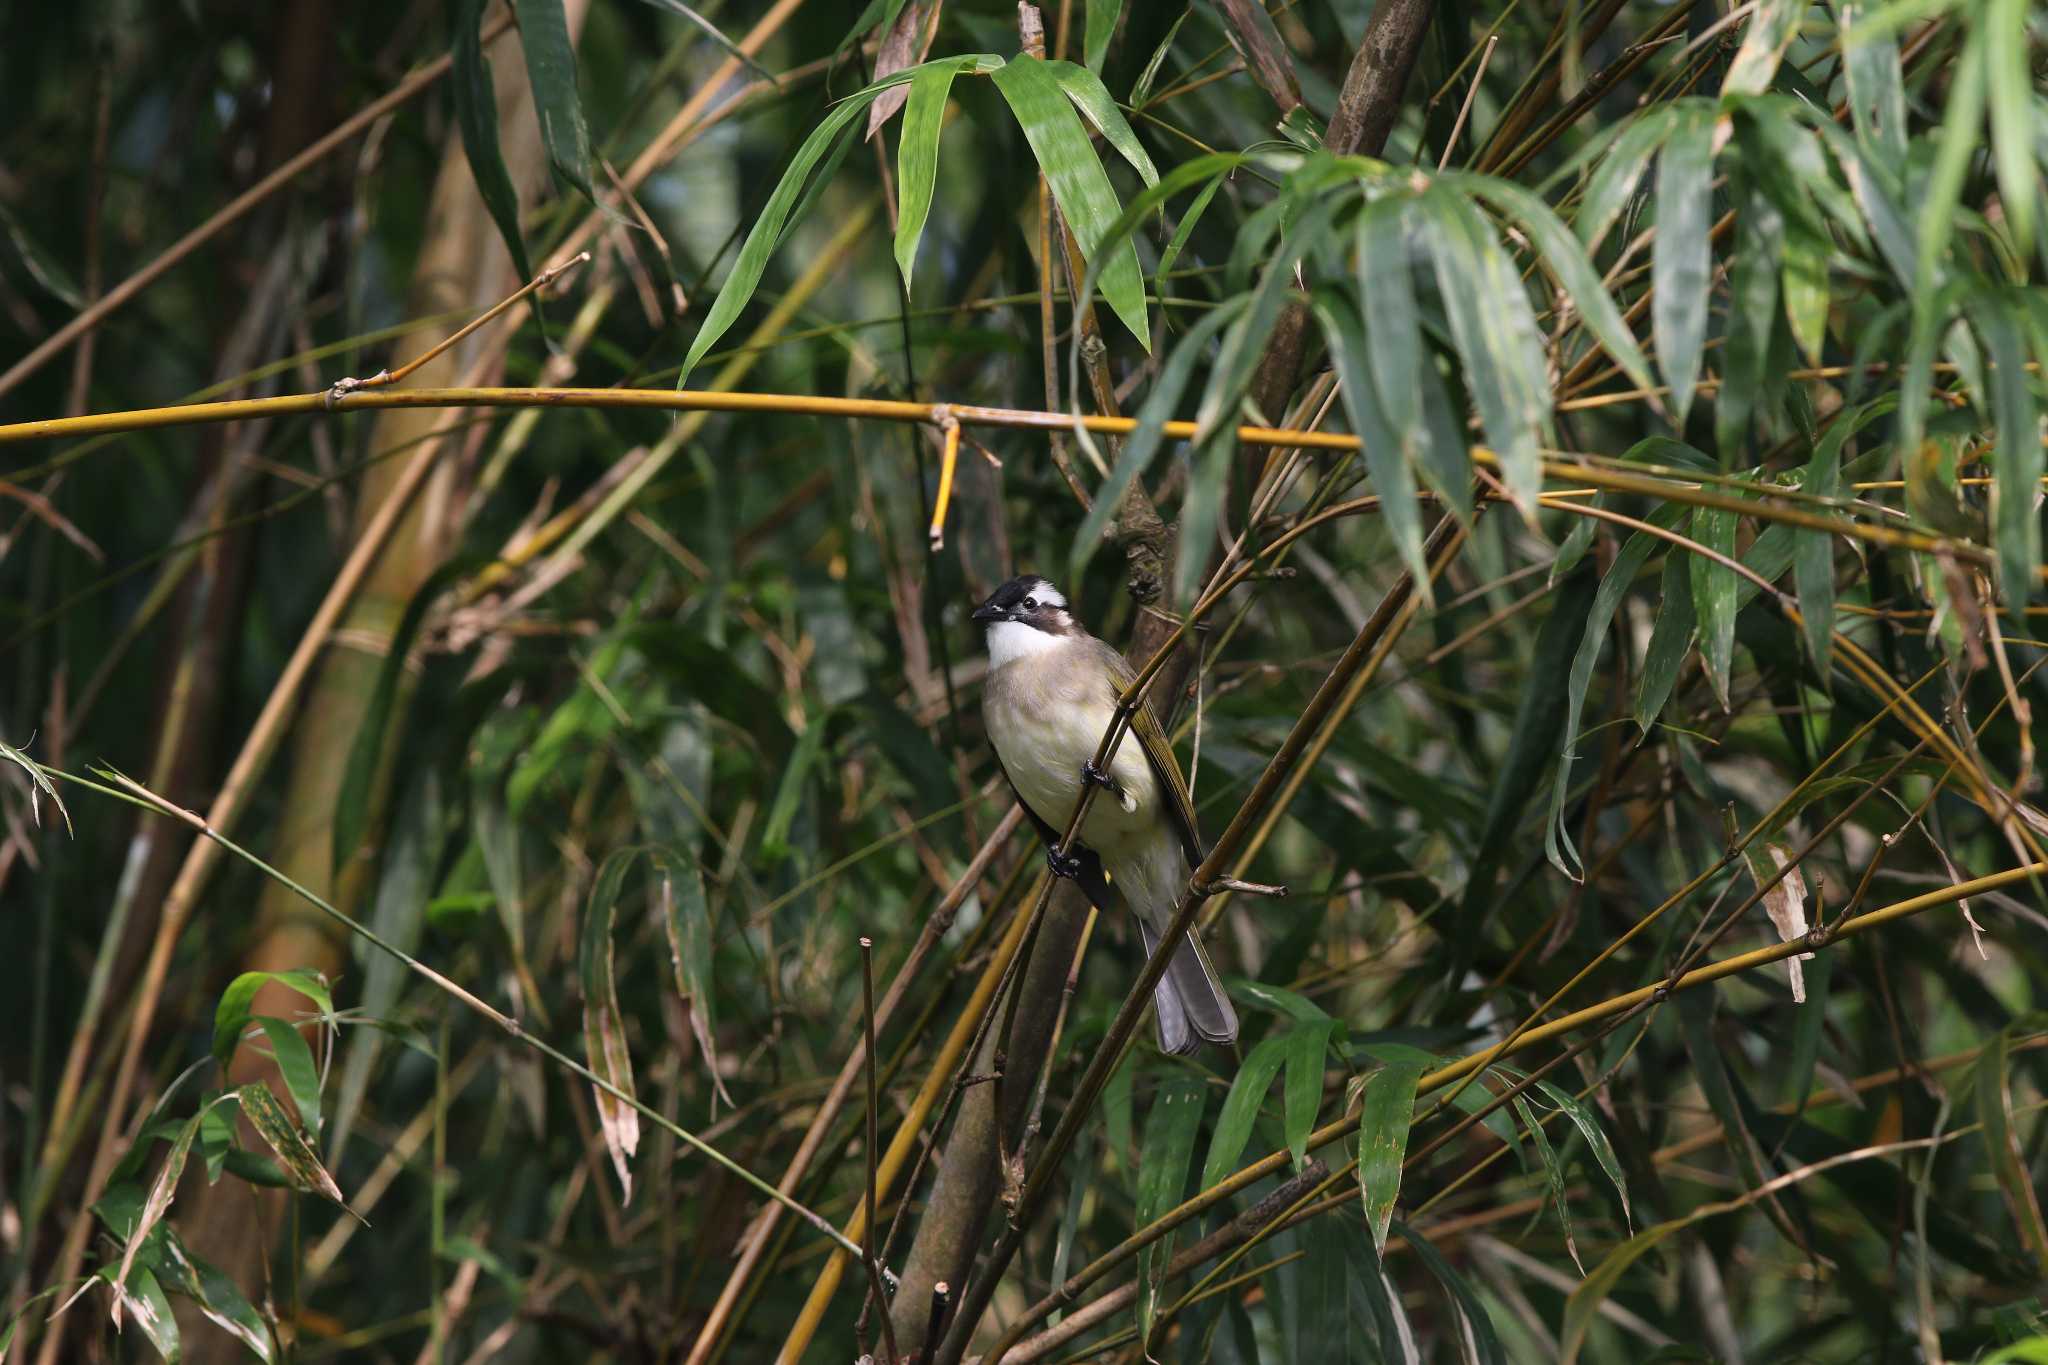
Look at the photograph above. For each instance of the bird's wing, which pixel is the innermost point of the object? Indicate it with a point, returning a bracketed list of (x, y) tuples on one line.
[(1145, 728), (1093, 883)]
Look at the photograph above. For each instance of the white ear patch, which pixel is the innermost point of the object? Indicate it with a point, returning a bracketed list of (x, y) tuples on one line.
[(1048, 595), (1009, 641)]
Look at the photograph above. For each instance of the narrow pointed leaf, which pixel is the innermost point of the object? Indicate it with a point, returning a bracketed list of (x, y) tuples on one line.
[(1554, 1170), (2016, 489), (1670, 639), (1567, 260), (1386, 288), (1588, 1124), (1764, 39), (1100, 28), (1752, 317), (295, 1154), (1484, 1339), (917, 158), (1079, 184), (295, 1063), (1877, 94), (2015, 112), (1386, 1110), (1682, 257), (1093, 99), (1393, 479), (1303, 1092), (1713, 594), (231, 1015), (604, 1030), (1170, 1129), (1496, 335), (476, 113), (551, 66), (1621, 576), (1614, 180), (1241, 1108)]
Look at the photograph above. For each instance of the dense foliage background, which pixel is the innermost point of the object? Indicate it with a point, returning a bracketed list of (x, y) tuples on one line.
[(1676, 599)]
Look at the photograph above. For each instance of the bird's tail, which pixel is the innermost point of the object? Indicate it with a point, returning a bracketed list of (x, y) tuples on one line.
[(1188, 1003)]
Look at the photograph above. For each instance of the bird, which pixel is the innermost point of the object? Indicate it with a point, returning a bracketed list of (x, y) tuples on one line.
[(1050, 695)]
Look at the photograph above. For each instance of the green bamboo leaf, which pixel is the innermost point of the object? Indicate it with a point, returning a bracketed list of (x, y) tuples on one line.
[(1185, 229), (1713, 592), (1496, 335), (1752, 317), (604, 1029), (551, 67), (1485, 1341), (1813, 557), (1100, 27), (810, 747), (687, 921), (301, 1165), (1093, 99), (1079, 184), (1621, 576), (476, 113), (1385, 461), (1386, 287), (1961, 132), (2014, 115), (917, 158), (1554, 1171), (1281, 1001), (779, 213), (1386, 1111), (1805, 284), (1877, 92), (2008, 1161), (1769, 32), (1683, 260), (141, 1294), (1241, 1107), (1809, 1022), (1670, 638), (231, 1015), (1170, 1128), (295, 1063), (1614, 180), (2018, 466), (1141, 90), (1375, 1315), (1567, 260), (1588, 1124), (157, 1203), (1302, 1095)]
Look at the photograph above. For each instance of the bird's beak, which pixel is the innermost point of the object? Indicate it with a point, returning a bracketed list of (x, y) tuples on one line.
[(989, 612)]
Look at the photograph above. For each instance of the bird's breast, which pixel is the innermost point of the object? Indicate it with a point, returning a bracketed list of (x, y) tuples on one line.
[(1046, 717)]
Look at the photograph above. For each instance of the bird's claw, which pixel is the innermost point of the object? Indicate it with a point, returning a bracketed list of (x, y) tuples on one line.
[(1066, 865), (1091, 773)]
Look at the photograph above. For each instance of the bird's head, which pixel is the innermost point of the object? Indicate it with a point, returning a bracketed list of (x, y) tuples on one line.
[(1025, 615)]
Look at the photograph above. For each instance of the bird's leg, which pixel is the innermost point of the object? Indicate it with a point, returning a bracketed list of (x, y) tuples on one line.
[(1091, 773), (1067, 865)]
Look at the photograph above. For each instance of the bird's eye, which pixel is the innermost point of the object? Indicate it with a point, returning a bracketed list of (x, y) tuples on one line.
[(1031, 604)]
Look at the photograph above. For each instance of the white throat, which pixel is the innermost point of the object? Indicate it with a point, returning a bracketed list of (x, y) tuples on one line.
[(1009, 641)]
